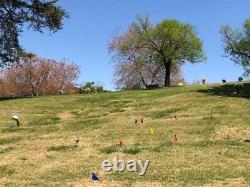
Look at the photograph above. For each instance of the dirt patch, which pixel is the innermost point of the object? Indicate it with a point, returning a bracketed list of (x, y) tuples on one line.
[(102, 183), (149, 184), (240, 182), (233, 132), (65, 116)]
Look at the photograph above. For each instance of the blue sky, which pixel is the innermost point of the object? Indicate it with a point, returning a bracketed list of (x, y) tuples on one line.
[(87, 32)]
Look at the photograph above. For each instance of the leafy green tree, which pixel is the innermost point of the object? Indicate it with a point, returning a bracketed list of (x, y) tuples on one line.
[(15, 15), (237, 45), (169, 43), (136, 67)]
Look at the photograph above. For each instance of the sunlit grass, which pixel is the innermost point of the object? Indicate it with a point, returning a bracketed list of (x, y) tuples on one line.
[(209, 150)]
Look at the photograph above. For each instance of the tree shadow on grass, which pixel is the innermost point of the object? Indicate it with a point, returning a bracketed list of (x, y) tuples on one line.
[(13, 98), (229, 90)]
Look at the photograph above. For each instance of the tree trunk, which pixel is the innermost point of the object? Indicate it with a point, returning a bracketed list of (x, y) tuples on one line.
[(143, 81), (167, 65)]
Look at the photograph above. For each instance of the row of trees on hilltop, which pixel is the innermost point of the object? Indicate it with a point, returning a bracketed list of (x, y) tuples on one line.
[(148, 54), (145, 55)]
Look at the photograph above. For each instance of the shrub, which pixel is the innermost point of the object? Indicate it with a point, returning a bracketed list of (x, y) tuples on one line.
[(240, 79), (90, 87)]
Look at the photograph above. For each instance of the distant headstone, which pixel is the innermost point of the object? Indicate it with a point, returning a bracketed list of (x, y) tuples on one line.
[(180, 84), (240, 79)]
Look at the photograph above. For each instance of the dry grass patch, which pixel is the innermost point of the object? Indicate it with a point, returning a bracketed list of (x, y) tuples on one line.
[(65, 116), (235, 182), (233, 132)]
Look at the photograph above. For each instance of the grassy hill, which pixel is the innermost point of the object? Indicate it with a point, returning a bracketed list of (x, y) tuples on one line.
[(210, 150)]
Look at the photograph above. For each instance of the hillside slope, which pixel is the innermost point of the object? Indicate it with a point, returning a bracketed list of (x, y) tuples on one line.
[(211, 125)]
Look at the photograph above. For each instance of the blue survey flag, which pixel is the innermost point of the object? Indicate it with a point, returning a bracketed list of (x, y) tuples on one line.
[(94, 177)]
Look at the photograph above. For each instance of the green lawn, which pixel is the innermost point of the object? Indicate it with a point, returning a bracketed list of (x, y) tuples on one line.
[(210, 150)]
